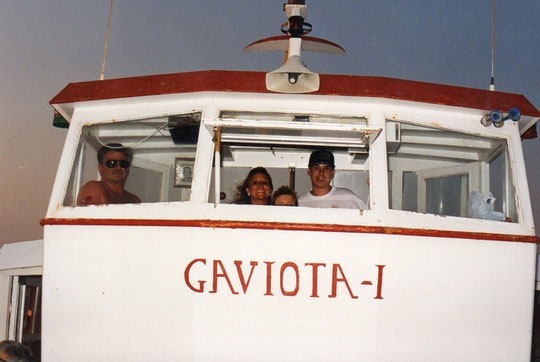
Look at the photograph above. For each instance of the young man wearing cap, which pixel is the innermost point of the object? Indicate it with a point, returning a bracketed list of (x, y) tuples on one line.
[(321, 171)]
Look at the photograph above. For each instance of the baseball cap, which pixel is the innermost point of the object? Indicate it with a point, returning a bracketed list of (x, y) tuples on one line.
[(321, 157)]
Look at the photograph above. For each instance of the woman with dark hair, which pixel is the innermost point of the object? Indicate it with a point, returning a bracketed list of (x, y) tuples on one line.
[(256, 188)]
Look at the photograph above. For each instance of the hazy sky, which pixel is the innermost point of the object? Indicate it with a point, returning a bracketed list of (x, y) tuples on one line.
[(47, 44)]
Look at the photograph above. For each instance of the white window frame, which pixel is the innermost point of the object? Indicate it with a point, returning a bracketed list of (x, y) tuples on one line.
[(473, 176)]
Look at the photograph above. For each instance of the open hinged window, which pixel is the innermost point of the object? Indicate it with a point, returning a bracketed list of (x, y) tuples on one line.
[(282, 144), (451, 173), (163, 150)]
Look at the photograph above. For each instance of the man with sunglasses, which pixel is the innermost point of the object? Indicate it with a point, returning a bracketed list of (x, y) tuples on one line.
[(114, 161)]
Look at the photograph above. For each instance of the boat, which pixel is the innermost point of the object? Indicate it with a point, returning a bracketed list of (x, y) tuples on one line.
[(440, 265)]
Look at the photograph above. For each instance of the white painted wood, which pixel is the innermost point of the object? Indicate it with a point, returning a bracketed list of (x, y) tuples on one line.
[(108, 290), (19, 312), (378, 164), (5, 288), (163, 169), (473, 182), (24, 254), (14, 307), (438, 295)]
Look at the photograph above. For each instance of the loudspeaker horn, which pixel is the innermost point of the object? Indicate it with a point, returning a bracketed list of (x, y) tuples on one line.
[(292, 77)]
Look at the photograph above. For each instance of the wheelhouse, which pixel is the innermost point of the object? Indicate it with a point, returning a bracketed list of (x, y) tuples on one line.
[(411, 155), (416, 274)]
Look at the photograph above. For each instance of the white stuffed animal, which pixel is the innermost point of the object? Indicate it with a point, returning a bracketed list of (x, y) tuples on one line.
[(481, 207)]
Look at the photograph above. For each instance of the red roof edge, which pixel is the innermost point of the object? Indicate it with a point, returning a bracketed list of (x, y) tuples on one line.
[(254, 82)]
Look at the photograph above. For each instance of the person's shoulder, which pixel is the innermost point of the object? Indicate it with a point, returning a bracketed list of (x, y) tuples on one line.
[(343, 191), (305, 199), (134, 198), (347, 194), (308, 195), (93, 187), (91, 193)]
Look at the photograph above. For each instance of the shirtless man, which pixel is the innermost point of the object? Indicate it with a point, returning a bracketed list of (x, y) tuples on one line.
[(114, 161), (321, 170)]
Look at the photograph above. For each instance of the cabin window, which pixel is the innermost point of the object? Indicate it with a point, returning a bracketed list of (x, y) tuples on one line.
[(443, 172), (163, 156), (282, 143)]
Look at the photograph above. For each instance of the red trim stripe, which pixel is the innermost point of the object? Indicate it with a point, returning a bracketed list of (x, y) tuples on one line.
[(264, 225)]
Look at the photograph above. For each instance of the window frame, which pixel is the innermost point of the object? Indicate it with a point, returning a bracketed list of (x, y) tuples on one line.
[(217, 125), (510, 177)]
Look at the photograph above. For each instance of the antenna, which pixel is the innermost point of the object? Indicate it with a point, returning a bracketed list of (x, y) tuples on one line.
[(492, 84), (102, 76)]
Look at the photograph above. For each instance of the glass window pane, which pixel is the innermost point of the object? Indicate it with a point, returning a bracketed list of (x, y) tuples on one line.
[(444, 195), (496, 180), (154, 149), (445, 172), (282, 144), (282, 163), (410, 194)]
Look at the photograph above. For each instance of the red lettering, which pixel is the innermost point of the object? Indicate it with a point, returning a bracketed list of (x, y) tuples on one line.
[(224, 275), (335, 268), (244, 284), (269, 277), (338, 276), (315, 278), (295, 268), (379, 282), (186, 276)]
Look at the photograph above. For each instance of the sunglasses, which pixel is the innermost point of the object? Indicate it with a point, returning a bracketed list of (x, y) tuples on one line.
[(113, 163)]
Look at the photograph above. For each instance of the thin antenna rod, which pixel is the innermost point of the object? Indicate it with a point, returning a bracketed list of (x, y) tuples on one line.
[(107, 42), (492, 84)]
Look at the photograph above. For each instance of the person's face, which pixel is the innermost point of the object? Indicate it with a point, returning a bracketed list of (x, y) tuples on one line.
[(117, 174), (259, 189), (321, 175), (285, 200)]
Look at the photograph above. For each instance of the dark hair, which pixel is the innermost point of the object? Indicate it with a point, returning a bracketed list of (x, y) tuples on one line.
[(17, 352), (241, 196), (284, 190), (324, 157), (116, 147)]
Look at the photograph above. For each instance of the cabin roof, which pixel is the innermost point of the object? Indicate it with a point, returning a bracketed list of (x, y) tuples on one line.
[(254, 82)]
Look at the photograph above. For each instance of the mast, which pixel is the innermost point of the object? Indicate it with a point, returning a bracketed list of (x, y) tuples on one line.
[(102, 76)]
